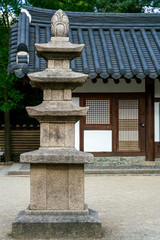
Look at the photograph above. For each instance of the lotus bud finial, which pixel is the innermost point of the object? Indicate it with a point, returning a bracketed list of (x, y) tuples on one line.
[(60, 24)]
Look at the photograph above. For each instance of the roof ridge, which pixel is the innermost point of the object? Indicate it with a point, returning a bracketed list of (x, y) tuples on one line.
[(94, 18), (93, 13)]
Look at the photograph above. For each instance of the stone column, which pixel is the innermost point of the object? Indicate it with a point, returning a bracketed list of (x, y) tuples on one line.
[(57, 206)]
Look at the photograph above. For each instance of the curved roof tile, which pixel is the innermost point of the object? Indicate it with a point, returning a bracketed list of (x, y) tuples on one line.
[(106, 52)]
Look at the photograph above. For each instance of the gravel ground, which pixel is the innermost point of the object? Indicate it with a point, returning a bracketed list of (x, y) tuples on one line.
[(129, 206)]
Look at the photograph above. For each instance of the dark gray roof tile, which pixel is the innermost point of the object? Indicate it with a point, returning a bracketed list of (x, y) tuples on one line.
[(84, 55), (129, 53), (141, 56), (37, 40), (106, 52)]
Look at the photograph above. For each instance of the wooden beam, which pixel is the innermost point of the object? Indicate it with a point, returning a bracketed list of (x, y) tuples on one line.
[(150, 148)]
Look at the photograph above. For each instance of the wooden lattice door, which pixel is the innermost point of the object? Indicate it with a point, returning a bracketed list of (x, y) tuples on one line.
[(115, 124), (130, 126)]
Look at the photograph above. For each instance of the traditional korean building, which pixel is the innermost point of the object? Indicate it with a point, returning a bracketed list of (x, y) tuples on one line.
[(122, 60)]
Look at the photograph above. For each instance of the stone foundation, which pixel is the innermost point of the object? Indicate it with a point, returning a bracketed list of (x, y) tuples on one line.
[(28, 226)]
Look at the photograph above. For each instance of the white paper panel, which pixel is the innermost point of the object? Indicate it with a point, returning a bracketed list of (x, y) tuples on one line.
[(98, 141), (75, 101), (156, 122)]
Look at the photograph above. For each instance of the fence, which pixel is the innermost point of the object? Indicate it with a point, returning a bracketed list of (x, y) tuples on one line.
[(23, 139)]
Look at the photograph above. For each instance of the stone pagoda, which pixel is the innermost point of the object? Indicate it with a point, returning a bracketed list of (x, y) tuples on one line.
[(57, 207)]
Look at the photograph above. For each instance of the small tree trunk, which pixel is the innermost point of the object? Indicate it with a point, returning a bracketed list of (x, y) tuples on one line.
[(7, 136)]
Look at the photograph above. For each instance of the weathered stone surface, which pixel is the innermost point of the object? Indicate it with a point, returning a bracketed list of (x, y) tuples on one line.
[(57, 79), (57, 194), (57, 95), (76, 187), (67, 94), (53, 95), (57, 135), (38, 187), (59, 64), (60, 24), (57, 226), (57, 187), (47, 96), (57, 111), (58, 75), (56, 155), (29, 211), (59, 48)]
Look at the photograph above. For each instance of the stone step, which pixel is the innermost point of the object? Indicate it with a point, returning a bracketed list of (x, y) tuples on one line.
[(24, 169)]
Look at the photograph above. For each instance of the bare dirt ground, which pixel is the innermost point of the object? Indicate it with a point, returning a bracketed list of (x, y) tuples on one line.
[(129, 206)]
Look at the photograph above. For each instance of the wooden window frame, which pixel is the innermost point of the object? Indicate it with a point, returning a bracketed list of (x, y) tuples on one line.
[(98, 126), (114, 96)]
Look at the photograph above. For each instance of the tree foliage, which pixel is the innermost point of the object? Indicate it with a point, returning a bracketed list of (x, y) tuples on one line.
[(125, 6), (65, 5), (130, 6), (9, 95)]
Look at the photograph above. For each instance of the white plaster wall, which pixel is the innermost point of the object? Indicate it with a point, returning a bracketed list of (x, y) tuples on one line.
[(75, 101), (110, 87), (98, 141), (156, 122)]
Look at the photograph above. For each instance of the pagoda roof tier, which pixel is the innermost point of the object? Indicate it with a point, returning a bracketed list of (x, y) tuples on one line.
[(57, 79), (57, 155), (57, 111), (59, 48)]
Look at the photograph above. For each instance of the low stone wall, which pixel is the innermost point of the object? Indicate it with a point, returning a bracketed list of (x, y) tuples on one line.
[(118, 161)]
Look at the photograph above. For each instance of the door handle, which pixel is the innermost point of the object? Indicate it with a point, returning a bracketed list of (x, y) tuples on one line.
[(142, 125)]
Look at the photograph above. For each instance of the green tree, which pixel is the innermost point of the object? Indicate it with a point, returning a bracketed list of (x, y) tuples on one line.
[(65, 5), (130, 6), (125, 6), (10, 97)]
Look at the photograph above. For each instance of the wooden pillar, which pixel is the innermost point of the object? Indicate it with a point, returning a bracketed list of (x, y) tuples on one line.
[(150, 148)]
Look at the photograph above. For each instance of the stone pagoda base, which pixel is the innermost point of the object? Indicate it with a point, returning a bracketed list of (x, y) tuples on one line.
[(59, 224)]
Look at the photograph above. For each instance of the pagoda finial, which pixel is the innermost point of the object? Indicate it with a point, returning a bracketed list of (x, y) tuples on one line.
[(60, 24)]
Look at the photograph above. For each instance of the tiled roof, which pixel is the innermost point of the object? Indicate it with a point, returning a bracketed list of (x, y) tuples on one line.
[(116, 45)]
